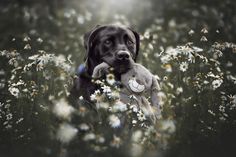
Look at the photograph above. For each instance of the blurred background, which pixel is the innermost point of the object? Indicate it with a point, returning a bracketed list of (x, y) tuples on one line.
[(61, 23), (57, 26)]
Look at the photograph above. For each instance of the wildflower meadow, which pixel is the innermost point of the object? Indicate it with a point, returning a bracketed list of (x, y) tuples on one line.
[(189, 46)]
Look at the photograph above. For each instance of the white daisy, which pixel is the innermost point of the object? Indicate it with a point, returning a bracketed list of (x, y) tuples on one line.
[(218, 53), (8, 116), (134, 108), (197, 49), (26, 39), (89, 137), (229, 64), (146, 34), (191, 32), (150, 46), (80, 19), (14, 91), (134, 121), (204, 30), (217, 83), (100, 139), (27, 47), (102, 105), (165, 59), (110, 78), (211, 112), (186, 50), (97, 92), (40, 40), (221, 108), (119, 106), (62, 109), (114, 121), (45, 58), (93, 97), (58, 60), (96, 96), (66, 133), (168, 126), (203, 38), (34, 57), (2, 72), (183, 66), (114, 94), (106, 89), (84, 127), (170, 51), (179, 90), (81, 98), (232, 98), (168, 67), (141, 116)]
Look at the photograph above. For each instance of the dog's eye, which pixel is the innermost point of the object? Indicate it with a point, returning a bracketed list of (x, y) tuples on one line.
[(129, 42), (108, 42)]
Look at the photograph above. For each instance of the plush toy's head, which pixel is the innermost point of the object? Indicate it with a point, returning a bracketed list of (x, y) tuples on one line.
[(138, 79)]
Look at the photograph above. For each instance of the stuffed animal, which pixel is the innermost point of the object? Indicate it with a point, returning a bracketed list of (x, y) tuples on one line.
[(138, 83)]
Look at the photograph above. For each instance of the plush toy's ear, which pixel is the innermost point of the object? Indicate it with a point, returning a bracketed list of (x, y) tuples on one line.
[(137, 38), (100, 70)]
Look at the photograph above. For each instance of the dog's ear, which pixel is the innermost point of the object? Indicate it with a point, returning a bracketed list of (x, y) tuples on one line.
[(87, 34), (89, 45), (88, 39), (137, 38)]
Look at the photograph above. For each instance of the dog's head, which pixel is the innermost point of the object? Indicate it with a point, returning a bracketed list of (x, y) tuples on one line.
[(118, 46)]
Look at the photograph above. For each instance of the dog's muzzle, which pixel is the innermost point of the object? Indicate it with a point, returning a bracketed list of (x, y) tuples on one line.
[(122, 56), (123, 61)]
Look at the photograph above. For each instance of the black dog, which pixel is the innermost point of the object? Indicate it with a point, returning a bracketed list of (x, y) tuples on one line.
[(115, 45)]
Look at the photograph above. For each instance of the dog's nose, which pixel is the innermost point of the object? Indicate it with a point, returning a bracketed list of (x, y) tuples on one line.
[(122, 55)]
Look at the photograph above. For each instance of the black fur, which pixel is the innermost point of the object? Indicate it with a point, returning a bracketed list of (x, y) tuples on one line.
[(104, 44)]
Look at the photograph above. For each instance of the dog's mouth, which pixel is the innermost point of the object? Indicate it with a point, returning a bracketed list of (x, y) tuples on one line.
[(120, 67)]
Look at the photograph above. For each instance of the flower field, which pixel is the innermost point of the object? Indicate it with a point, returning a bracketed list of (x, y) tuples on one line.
[(190, 48)]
